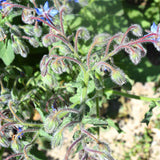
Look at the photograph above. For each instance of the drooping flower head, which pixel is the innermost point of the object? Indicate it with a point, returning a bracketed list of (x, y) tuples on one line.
[(46, 13)]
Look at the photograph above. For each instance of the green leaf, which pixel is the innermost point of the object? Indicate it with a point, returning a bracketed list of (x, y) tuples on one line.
[(114, 125), (95, 121), (91, 86), (149, 114), (41, 114), (6, 53), (45, 134)]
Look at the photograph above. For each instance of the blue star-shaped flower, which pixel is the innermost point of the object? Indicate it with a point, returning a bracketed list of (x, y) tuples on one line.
[(46, 12), (1, 7), (154, 28), (20, 130)]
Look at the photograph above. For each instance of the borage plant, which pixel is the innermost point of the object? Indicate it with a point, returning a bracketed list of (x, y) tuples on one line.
[(72, 83)]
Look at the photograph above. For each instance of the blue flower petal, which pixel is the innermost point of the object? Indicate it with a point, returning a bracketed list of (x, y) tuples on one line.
[(53, 12), (39, 11), (46, 6), (154, 28), (2, 1)]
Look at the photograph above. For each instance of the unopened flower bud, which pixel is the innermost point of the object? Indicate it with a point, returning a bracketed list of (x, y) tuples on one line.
[(43, 66), (38, 31), (28, 30), (118, 76), (19, 47), (58, 66), (135, 57), (47, 40), (119, 37), (137, 30), (15, 30), (26, 16), (2, 35), (84, 33), (101, 39), (34, 42), (51, 123)]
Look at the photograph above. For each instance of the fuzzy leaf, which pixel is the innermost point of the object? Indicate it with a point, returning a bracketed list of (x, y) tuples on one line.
[(94, 121), (6, 53)]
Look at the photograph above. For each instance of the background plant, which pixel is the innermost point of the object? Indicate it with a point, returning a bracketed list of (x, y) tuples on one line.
[(76, 75)]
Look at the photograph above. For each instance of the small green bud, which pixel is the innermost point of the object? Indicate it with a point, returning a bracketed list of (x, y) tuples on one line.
[(43, 67), (119, 37), (19, 47), (48, 40), (51, 123), (118, 76), (137, 30), (38, 31), (135, 57), (2, 35), (26, 16), (34, 42), (101, 39), (15, 30), (58, 67), (84, 33), (28, 30), (15, 146)]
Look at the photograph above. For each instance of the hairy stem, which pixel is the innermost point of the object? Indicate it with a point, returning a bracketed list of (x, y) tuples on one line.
[(72, 145), (98, 113), (132, 96)]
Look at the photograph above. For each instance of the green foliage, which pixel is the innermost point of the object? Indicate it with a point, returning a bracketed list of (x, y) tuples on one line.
[(6, 52), (149, 114)]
